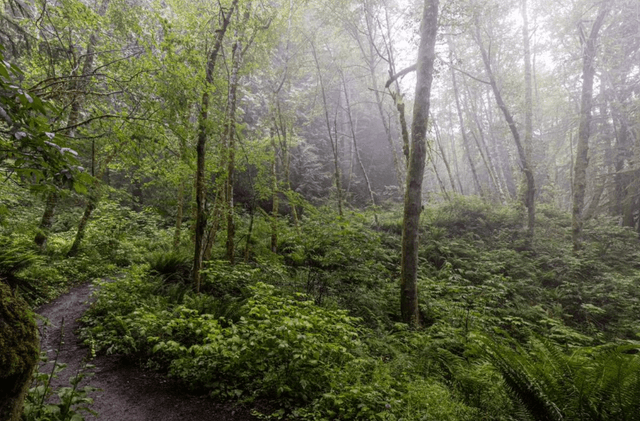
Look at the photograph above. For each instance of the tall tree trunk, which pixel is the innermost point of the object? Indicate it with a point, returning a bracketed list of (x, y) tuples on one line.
[(465, 140), (582, 152), (415, 173), (481, 143), (371, 61), (179, 215), (275, 198), (530, 191), (357, 151), (231, 136), (444, 155), (524, 162), (47, 218), (503, 159), (282, 134), (215, 225), (453, 152), (88, 210), (333, 141), (201, 217)]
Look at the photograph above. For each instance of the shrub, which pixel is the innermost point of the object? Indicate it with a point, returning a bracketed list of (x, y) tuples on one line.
[(285, 348)]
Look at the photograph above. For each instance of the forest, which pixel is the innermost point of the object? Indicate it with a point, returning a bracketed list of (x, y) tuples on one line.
[(324, 209)]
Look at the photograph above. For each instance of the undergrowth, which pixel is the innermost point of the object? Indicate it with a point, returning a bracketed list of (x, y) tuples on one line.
[(314, 327)]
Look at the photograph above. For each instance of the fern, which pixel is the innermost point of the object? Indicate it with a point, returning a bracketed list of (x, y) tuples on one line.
[(518, 372), (172, 266), (589, 384), (14, 258)]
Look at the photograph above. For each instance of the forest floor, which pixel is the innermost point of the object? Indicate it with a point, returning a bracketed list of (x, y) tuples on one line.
[(127, 392)]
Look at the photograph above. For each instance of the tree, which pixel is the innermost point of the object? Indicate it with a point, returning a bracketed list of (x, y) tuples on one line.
[(589, 46), (203, 134), (521, 146), (415, 171)]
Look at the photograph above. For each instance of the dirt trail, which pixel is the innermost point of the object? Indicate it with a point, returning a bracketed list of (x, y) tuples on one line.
[(128, 392)]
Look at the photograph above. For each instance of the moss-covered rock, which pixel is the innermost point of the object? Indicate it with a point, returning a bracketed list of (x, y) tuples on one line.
[(19, 349)]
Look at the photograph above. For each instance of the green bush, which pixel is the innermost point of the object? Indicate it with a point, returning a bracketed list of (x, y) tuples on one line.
[(285, 348)]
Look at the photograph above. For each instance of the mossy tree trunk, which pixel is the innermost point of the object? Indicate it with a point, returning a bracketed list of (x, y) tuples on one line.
[(231, 145), (82, 225), (47, 218), (530, 191), (92, 203), (584, 129), (415, 172), (525, 161), (274, 195), (201, 217), (19, 349)]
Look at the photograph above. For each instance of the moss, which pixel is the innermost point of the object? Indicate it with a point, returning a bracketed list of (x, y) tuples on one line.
[(20, 350)]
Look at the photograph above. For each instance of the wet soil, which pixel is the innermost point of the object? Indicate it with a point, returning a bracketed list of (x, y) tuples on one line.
[(128, 393)]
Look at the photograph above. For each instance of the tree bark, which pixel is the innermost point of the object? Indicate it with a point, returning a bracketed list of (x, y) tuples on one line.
[(213, 230), (333, 142), (88, 210), (582, 152), (482, 146), (179, 215), (444, 155), (94, 198), (281, 133), (231, 136), (529, 193), (47, 219), (201, 218), (413, 194), (357, 151), (465, 140)]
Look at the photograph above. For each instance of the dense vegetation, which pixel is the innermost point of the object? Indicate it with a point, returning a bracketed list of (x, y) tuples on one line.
[(231, 174), (314, 329)]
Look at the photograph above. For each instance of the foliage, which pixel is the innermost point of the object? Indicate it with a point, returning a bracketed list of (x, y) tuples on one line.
[(26, 139), (251, 335), (600, 383), (343, 261), (170, 265), (73, 400), (14, 257), (119, 88), (285, 348)]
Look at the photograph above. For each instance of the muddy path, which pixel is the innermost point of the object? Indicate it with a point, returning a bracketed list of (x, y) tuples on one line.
[(127, 393)]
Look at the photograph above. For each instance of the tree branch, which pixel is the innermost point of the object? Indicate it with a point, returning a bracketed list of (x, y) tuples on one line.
[(401, 73)]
